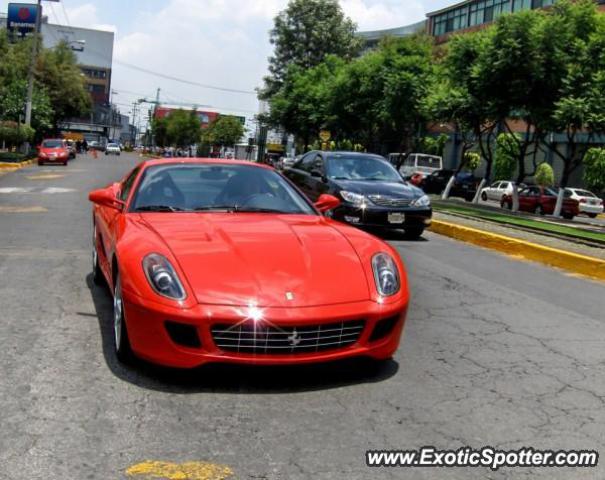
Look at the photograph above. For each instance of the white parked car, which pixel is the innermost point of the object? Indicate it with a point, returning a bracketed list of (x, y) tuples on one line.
[(590, 204), (497, 191), (113, 149)]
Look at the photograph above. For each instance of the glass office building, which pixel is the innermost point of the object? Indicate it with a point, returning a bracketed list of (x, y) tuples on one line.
[(477, 12)]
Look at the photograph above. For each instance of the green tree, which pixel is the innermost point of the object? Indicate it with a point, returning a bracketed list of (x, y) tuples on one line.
[(59, 73), (302, 105), (507, 153), (182, 128), (225, 131), (159, 130), (376, 99), (579, 110), (458, 95), (59, 88), (472, 161), (304, 34), (545, 176), (594, 169)]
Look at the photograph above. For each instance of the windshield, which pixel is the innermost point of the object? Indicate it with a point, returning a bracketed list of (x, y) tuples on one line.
[(52, 144), (430, 162), (215, 187), (361, 168), (112, 145)]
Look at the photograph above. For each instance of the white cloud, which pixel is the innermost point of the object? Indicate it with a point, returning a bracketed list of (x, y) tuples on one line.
[(216, 42), (381, 14), (85, 15)]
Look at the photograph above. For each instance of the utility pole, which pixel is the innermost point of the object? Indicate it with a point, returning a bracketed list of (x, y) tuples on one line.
[(32, 66)]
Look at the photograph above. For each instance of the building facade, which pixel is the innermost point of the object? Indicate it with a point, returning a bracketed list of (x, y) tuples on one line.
[(461, 17)]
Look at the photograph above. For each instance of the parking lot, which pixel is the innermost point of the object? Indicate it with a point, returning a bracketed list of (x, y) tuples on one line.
[(496, 352)]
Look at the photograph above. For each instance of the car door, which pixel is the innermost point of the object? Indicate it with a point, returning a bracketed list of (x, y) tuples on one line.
[(528, 199), (492, 191), (501, 191), (300, 170), (315, 183), (106, 218)]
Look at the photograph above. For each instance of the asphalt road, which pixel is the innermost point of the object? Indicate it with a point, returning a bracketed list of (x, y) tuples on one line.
[(496, 352)]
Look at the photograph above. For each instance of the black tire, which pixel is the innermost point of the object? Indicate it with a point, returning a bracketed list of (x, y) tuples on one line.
[(413, 233), (120, 331), (568, 216), (484, 197), (540, 210), (97, 274), (592, 215)]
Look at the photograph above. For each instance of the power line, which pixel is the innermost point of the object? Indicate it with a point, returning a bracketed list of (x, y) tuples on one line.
[(65, 12), (171, 77)]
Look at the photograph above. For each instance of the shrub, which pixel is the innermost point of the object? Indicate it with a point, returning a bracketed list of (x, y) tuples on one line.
[(545, 176)]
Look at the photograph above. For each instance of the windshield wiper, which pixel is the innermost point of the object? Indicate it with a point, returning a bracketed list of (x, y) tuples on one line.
[(217, 208), (159, 208), (262, 210)]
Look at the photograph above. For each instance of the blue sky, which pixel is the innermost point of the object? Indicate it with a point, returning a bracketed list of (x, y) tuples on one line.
[(214, 42)]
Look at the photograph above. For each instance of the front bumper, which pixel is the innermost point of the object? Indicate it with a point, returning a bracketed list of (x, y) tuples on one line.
[(374, 216), (151, 340)]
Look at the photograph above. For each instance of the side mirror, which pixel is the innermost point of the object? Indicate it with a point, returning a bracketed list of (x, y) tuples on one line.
[(325, 203), (107, 198)]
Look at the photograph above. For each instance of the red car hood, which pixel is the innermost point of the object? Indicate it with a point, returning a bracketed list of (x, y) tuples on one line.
[(267, 260)]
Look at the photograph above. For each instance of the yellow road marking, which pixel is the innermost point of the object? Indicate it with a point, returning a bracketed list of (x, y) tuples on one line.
[(44, 176), (513, 247), (183, 471), (8, 209)]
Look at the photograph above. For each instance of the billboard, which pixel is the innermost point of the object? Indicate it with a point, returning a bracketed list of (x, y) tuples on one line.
[(21, 18)]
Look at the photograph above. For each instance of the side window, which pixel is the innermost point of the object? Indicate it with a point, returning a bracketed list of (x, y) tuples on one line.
[(127, 185), (317, 165), (305, 162), (496, 185)]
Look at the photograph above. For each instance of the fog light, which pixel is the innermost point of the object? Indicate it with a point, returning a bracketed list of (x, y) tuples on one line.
[(428, 221)]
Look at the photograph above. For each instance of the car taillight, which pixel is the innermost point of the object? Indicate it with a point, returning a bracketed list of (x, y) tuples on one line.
[(583, 200)]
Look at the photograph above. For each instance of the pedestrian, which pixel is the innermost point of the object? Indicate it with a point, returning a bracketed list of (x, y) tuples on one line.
[(85, 146)]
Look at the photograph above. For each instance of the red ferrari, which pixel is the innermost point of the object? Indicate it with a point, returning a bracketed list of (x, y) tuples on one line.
[(53, 151), (226, 261)]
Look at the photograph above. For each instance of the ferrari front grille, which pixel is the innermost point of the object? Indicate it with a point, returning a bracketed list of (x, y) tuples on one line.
[(390, 201), (263, 339)]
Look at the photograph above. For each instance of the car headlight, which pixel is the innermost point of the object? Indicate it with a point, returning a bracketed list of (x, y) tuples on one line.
[(386, 275), (354, 198), (423, 201), (162, 277)]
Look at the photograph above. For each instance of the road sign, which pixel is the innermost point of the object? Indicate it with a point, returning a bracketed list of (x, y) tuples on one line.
[(325, 135), (21, 18)]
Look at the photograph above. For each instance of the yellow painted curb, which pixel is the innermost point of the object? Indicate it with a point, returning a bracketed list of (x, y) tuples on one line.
[(15, 166), (572, 262)]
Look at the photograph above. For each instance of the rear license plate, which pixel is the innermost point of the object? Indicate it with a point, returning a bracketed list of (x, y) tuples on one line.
[(396, 217)]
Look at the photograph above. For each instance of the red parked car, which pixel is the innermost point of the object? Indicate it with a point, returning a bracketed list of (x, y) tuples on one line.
[(542, 200), (53, 150), (226, 261)]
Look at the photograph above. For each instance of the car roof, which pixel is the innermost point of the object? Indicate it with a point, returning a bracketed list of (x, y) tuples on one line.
[(202, 161), (335, 153)]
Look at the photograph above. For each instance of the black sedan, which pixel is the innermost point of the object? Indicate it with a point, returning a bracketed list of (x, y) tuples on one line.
[(373, 193), (465, 185)]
